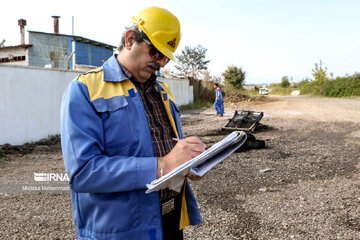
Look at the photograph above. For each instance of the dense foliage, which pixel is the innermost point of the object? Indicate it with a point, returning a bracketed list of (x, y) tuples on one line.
[(234, 78), (285, 82), (340, 87), (322, 84)]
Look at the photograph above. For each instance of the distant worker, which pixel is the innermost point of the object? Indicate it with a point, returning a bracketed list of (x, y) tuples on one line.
[(218, 104), (118, 130)]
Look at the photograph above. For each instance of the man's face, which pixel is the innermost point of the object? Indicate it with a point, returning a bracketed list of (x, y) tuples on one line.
[(142, 64)]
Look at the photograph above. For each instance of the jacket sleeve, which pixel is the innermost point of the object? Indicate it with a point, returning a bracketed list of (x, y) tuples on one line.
[(82, 140)]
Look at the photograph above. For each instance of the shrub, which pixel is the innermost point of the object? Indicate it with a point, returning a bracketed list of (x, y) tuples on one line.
[(340, 87), (284, 82), (234, 77)]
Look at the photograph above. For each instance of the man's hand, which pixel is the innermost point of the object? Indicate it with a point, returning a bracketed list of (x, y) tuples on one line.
[(184, 150)]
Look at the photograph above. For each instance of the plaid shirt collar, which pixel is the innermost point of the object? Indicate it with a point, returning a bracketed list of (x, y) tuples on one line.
[(126, 72)]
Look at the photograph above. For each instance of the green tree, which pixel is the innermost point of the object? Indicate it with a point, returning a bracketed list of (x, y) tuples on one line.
[(284, 82), (234, 77), (320, 79), (191, 62), (320, 73)]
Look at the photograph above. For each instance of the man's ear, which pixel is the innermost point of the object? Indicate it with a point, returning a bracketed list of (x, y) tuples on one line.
[(129, 39)]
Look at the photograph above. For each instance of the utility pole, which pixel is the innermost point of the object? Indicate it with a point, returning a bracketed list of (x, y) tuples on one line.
[(73, 25)]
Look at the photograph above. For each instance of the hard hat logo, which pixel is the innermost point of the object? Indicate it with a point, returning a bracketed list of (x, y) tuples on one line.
[(172, 43)]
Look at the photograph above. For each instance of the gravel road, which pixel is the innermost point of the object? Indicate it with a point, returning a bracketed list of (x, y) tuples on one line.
[(303, 185)]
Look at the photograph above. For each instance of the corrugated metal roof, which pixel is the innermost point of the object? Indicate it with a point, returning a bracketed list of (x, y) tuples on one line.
[(17, 46), (79, 39)]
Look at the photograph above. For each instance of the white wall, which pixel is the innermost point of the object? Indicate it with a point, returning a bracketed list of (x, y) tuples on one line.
[(30, 101), (181, 90)]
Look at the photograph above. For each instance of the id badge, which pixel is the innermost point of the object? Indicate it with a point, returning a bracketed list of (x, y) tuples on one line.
[(168, 206)]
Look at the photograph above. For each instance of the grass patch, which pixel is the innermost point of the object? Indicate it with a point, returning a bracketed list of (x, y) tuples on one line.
[(196, 105), (248, 93), (253, 93), (2, 154), (276, 89)]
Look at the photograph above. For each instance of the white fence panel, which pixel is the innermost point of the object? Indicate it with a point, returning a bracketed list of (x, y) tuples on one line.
[(30, 100)]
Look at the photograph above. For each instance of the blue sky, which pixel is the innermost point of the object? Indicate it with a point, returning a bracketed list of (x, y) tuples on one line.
[(268, 39)]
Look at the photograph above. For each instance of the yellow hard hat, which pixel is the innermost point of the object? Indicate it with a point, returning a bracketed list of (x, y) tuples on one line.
[(161, 27)]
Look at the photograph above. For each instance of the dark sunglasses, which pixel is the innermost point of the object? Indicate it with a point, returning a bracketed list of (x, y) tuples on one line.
[(154, 53)]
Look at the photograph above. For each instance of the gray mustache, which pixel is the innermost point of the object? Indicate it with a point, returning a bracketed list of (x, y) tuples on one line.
[(154, 66)]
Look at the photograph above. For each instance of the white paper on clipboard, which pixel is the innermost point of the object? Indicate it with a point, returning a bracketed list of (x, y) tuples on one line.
[(200, 164)]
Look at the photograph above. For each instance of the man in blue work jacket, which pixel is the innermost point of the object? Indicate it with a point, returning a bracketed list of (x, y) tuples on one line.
[(118, 125), (218, 104)]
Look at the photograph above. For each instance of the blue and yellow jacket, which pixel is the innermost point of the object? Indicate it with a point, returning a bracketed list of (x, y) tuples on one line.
[(108, 152)]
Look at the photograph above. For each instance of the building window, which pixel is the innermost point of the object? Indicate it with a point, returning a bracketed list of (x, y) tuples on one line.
[(12, 59)]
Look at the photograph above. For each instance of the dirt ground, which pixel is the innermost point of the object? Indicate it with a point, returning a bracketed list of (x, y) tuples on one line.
[(304, 185)]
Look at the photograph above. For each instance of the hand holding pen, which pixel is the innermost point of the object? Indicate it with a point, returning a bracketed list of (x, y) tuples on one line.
[(184, 150)]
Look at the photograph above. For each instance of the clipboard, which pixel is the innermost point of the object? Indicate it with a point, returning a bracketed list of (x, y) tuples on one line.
[(199, 165)]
